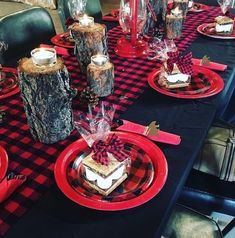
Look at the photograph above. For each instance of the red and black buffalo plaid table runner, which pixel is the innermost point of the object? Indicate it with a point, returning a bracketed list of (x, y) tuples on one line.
[(36, 160)]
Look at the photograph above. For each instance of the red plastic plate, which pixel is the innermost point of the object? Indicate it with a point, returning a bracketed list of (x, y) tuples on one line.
[(207, 29), (211, 84), (63, 40), (10, 85), (147, 175), (198, 7), (3, 162)]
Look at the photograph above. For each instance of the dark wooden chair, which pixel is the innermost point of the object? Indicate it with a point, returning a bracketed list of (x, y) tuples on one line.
[(23, 31)]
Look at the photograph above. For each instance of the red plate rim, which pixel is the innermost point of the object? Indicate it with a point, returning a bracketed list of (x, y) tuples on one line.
[(3, 162), (15, 90), (217, 84), (203, 7), (201, 31), (160, 167), (55, 38)]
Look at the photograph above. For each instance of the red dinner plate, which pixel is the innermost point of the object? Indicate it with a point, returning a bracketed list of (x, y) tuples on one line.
[(147, 176), (9, 85), (207, 29), (63, 40), (3, 163), (198, 7), (204, 83)]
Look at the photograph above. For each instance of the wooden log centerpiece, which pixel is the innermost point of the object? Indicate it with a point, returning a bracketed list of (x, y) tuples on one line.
[(90, 39), (174, 24), (183, 5), (100, 75), (45, 89)]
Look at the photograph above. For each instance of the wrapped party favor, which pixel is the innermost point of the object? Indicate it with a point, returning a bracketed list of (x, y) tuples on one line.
[(106, 167), (176, 71)]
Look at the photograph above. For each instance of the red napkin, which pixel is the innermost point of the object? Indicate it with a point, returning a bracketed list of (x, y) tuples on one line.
[(114, 16), (9, 184), (211, 65), (59, 50), (161, 136)]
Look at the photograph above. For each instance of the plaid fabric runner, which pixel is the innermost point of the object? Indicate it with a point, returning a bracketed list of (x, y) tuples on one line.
[(36, 160)]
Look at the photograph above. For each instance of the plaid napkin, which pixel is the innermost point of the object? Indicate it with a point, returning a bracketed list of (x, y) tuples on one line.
[(9, 184)]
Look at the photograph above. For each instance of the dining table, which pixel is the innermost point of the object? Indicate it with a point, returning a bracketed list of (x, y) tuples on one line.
[(39, 208)]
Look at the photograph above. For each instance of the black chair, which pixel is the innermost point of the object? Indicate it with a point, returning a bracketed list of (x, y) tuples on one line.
[(206, 193), (93, 8), (23, 31)]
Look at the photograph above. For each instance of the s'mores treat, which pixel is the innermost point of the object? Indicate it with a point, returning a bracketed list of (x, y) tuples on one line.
[(224, 25), (174, 79), (104, 178)]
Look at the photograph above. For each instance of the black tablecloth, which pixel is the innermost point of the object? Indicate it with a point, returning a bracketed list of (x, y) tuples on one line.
[(56, 216)]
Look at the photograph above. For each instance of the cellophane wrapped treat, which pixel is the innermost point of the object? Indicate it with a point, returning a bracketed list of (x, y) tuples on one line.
[(107, 166)]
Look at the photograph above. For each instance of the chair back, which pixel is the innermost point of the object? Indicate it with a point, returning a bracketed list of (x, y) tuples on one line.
[(23, 31)]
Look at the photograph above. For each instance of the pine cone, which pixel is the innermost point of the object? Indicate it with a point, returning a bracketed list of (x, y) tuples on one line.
[(87, 96), (2, 116)]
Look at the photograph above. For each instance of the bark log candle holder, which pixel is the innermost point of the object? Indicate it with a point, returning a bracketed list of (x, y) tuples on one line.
[(174, 24), (90, 39), (47, 99), (183, 5), (100, 75)]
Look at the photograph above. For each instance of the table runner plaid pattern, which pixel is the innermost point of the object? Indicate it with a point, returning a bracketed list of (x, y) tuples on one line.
[(36, 160)]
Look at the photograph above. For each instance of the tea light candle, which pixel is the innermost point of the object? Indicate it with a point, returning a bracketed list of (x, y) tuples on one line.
[(43, 56), (190, 3), (182, 4), (99, 59), (176, 12), (86, 21)]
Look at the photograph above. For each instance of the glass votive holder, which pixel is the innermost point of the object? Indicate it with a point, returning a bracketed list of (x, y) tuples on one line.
[(44, 56)]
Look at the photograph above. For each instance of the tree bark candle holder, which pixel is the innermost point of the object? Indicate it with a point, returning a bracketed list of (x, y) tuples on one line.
[(174, 24), (100, 75), (90, 39), (183, 5), (47, 99)]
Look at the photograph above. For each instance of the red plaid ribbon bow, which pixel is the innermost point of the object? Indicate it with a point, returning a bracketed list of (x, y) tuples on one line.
[(113, 145), (184, 63)]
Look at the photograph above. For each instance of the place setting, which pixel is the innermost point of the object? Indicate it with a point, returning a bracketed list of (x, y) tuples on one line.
[(194, 7), (8, 78), (181, 75), (223, 25), (109, 169), (8, 82), (63, 40), (8, 182)]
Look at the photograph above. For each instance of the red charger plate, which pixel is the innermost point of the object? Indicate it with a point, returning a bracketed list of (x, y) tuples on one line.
[(214, 84), (148, 173), (10, 74), (207, 30), (62, 40), (198, 7), (3, 162)]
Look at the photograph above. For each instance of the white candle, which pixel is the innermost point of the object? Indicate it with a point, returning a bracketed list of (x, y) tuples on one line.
[(190, 3), (99, 59), (86, 21), (43, 56), (176, 12)]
